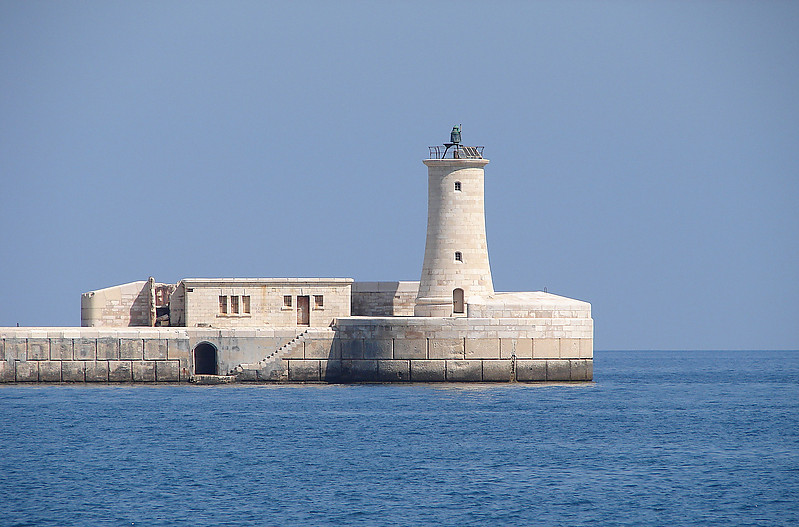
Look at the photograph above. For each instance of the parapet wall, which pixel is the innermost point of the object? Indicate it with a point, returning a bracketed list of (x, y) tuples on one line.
[(384, 299)]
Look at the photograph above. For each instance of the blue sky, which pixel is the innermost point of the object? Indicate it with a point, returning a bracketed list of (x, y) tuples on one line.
[(644, 155)]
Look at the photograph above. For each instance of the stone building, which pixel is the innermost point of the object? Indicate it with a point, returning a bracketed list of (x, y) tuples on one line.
[(451, 326)]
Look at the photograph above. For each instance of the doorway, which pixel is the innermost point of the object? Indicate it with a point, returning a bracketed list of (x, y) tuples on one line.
[(457, 301), (303, 310), (205, 360)]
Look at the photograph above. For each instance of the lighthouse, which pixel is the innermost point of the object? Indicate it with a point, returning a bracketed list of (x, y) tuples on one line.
[(455, 268)]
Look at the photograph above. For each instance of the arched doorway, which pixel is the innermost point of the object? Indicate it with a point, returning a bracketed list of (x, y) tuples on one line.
[(457, 300), (205, 362)]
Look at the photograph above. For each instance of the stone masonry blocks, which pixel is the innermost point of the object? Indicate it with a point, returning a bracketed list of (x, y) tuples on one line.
[(38, 349), (320, 349), (167, 371), (143, 371), (330, 370), (359, 370), (16, 349), (27, 371), (108, 348), (350, 349), (428, 371), (445, 349), (521, 348), (61, 348), (558, 370), (410, 348), (131, 349), (394, 370), (97, 371), (569, 348), (8, 371), (120, 371), (579, 370), (179, 349), (464, 371), (586, 348), (482, 348), (73, 371), (497, 370), (304, 370), (155, 349), (546, 348), (85, 349), (50, 371), (378, 349), (531, 370)]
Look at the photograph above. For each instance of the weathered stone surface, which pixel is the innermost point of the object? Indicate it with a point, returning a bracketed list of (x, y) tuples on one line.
[(531, 370), (131, 349), (179, 349), (320, 349), (303, 370), (445, 348), (2, 349), (579, 370), (120, 371), (143, 371), (85, 349), (378, 349), (546, 348), (27, 371), (569, 348), (394, 370), (107, 348), (276, 371), (586, 348), (167, 371), (38, 349), (16, 348), (61, 348), (482, 348), (522, 348), (73, 371), (558, 370), (428, 370), (50, 371), (464, 371), (497, 370), (8, 371), (155, 349), (410, 348), (350, 348), (97, 371), (359, 371), (330, 370)]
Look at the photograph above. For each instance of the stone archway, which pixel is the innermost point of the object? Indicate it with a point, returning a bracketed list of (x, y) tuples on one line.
[(205, 359)]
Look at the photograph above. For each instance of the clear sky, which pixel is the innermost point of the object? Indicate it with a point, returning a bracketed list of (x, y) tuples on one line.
[(644, 155)]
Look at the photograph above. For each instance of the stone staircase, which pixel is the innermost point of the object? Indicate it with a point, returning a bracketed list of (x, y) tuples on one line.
[(273, 367)]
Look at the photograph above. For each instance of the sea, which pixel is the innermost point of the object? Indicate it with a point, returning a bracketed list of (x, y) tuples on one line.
[(660, 438)]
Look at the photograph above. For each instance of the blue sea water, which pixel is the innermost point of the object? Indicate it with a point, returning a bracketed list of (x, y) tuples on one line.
[(660, 438)]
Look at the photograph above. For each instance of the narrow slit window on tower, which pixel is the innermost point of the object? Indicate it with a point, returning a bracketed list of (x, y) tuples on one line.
[(245, 305), (457, 186), (222, 305), (234, 305), (287, 301), (458, 256)]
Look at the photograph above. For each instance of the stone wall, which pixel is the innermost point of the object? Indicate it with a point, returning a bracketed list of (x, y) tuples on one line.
[(336, 359), (328, 298), (118, 306), (384, 299)]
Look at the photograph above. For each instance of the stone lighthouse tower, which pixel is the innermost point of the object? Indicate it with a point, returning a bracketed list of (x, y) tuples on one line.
[(455, 267)]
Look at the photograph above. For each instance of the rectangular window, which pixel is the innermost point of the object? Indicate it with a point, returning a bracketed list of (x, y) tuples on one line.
[(458, 256), (234, 305), (287, 301), (245, 305), (318, 301), (222, 305)]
